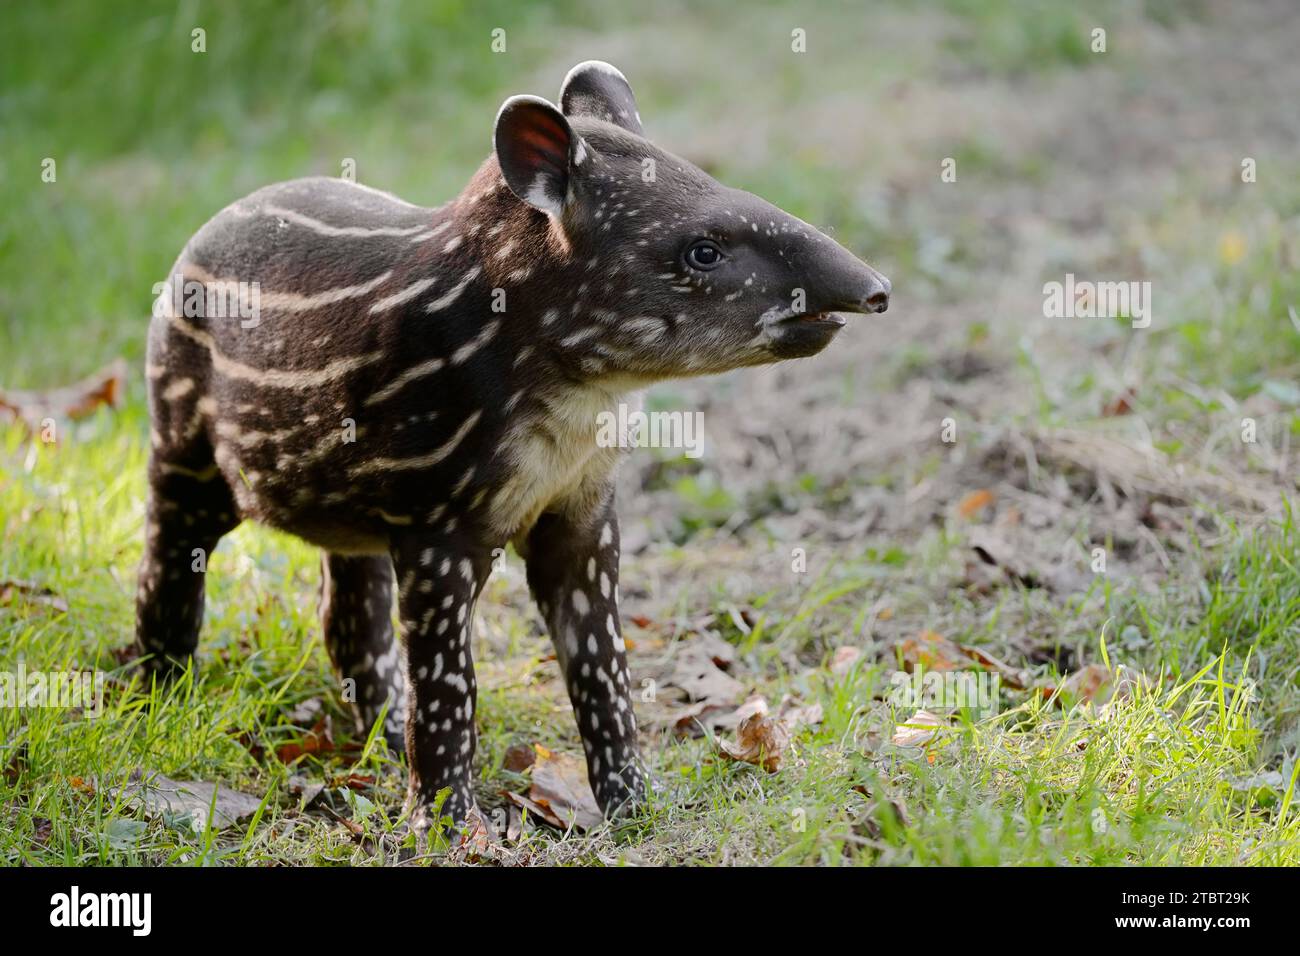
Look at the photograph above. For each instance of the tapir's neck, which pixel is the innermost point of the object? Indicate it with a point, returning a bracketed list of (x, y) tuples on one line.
[(511, 242), (518, 263)]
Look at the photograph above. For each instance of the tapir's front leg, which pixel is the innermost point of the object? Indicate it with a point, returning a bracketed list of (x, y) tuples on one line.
[(438, 583), (573, 573)]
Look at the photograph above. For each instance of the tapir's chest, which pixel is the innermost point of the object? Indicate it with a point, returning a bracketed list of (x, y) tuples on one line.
[(556, 460)]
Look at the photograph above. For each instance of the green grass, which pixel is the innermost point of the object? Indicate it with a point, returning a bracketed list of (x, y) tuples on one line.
[(1146, 780)]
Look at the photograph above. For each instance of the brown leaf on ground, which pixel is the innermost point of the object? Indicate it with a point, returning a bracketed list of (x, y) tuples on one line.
[(13, 591), (693, 720), (718, 650), (975, 502), (514, 824), (696, 672), (1013, 677), (1017, 555), (796, 716), (934, 652), (843, 659), (920, 729), (75, 401), (1084, 684), (761, 738), (536, 810), (353, 781), (157, 796), (475, 841), (82, 785), (1121, 404), (318, 740), (560, 793), (249, 743), (519, 757), (1096, 684), (307, 791)]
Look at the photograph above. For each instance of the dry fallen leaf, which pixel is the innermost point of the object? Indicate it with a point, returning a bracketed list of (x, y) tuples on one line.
[(560, 793), (307, 791), (353, 781), (519, 757), (158, 796), (318, 740), (920, 729), (693, 720), (796, 716), (475, 841), (1122, 404), (514, 824), (843, 659), (934, 652), (1013, 677), (1095, 683), (975, 502), (28, 592), (535, 810), (761, 738), (75, 401), (696, 672), (1006, 553)]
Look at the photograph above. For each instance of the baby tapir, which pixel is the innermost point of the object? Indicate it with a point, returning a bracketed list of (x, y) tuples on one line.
[(422, 386)]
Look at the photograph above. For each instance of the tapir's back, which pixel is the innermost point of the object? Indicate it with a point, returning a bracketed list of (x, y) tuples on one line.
[(311, 356)]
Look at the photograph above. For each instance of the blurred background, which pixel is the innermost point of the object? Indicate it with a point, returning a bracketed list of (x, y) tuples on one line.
[(1071, 434), (1124, 164)]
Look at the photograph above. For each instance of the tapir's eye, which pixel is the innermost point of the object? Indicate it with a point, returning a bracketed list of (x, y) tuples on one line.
[(704, 254)]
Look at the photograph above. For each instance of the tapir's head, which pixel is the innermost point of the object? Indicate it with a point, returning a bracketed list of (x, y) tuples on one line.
[(675, 273)]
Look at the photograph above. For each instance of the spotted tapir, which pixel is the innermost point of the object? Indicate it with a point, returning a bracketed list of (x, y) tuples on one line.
[(422, 386)]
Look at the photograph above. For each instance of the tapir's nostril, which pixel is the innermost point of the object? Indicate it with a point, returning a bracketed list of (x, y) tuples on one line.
[(877, 297)]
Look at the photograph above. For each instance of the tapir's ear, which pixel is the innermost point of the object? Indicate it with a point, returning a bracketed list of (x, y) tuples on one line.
[(537, 151), (595, 88)]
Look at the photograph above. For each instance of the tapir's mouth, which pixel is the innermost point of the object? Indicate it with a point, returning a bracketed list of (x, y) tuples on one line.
[(816, 318), (796, 336)]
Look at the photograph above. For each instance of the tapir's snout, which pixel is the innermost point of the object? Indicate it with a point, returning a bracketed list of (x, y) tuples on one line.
[(844, 283), (875, 297)]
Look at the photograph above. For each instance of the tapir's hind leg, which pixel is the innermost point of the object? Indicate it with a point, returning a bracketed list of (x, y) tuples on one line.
[(189, 509), (356, 617)]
